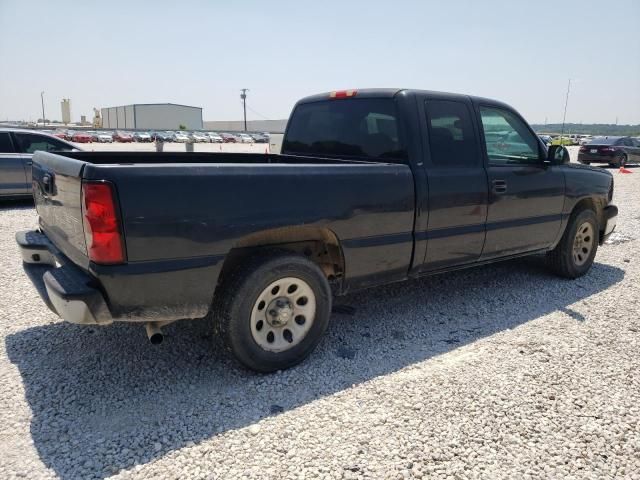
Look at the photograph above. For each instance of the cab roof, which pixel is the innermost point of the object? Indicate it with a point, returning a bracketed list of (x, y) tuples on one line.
[(392, 92)]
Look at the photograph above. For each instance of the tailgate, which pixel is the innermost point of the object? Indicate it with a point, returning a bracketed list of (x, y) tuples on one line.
[(57, 192)]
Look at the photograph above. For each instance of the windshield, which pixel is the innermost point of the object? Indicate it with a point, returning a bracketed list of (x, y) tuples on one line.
[(357, 128)]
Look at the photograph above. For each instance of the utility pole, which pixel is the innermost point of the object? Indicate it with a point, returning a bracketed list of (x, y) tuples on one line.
[(243, 96), (42, 101), (564, 116)]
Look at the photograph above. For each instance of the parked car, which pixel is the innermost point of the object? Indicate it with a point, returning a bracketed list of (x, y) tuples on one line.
[(16, 151), (164, 136), (199, 137), (180, 137), (565, 141), (259, 138), (105, 137), (93, 134), (245, 138), (60, 134), (546, 139), (122, 137), (81, 137), (412, 192), (215, 138), (228, 138), (141, 137), (616, 151), (585, 139)]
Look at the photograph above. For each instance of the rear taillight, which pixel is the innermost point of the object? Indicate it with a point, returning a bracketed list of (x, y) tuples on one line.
[(583, 149), (102, 231), (607, 149)]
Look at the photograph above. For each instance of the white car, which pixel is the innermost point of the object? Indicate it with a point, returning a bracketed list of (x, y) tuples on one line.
[(215, 138), (200, 137), (245, 138), (181, 137), (584, 139), (105, 137)]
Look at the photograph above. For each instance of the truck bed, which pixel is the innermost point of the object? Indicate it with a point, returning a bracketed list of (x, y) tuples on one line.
[(182, 213)]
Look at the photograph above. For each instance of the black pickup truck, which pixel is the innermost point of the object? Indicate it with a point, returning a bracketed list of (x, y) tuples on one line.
[(372, 187)]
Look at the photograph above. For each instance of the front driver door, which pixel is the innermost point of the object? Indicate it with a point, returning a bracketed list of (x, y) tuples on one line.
[(526, 195)]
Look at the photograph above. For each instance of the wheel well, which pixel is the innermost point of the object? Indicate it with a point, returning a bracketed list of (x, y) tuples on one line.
[(320, 245), (590, 204)]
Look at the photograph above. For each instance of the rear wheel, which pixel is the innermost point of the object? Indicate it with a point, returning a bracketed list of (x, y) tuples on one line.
[(574, 254), (621, 160), (272, 311)]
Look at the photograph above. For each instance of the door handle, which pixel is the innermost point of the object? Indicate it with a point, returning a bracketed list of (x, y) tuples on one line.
[(47, 183), (499, 186)]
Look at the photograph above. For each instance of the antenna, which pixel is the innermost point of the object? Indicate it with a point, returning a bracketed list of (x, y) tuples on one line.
[(564, 116)]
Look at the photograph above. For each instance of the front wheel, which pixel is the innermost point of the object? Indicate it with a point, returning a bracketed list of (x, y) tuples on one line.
[(272, 311), (574, 254)]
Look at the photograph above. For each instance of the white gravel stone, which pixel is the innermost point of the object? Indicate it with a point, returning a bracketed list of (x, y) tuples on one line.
[(503, 371)]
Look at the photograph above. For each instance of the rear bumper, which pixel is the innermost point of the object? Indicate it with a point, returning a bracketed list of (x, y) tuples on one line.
[(133, 292), (67, 290), (594, 158), (610, 219)]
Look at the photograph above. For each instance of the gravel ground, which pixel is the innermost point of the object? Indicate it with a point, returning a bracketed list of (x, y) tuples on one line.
[(497, 372)]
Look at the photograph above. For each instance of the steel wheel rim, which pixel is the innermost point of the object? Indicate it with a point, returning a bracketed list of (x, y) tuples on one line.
[(283, 314), (583, 243)]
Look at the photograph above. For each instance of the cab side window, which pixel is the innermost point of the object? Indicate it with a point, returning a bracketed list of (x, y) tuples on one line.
[(507, 139), (452, 140), (30, 142), (5, 143)]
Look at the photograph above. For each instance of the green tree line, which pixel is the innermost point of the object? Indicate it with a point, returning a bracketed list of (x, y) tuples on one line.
[(595, 129)]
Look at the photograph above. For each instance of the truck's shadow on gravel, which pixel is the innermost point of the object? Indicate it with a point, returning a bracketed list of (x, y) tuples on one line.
[(104, 399)]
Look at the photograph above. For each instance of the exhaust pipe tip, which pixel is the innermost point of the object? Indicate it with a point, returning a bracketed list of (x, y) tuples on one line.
[(156, 338), (154, 333)]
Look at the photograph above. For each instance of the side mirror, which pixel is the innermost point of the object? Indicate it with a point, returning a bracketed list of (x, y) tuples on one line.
[(558, 155)]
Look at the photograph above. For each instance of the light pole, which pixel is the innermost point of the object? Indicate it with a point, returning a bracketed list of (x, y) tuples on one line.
[(243, 96), (42, 101), (564, 116)]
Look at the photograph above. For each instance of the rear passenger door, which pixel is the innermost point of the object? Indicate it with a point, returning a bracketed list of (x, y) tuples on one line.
[(526, 195), (458, 190), (13, 180)]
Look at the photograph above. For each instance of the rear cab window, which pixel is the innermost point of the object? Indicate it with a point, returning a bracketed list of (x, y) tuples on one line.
[(358, 128)]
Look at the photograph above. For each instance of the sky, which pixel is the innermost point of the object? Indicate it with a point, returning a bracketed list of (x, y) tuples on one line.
[(201, 53)]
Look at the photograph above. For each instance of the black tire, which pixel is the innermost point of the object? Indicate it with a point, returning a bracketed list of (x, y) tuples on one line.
[(621, 160), (561, 258), (238, 294)]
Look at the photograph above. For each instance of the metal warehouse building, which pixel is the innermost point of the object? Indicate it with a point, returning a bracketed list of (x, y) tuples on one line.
[(152, 116)]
